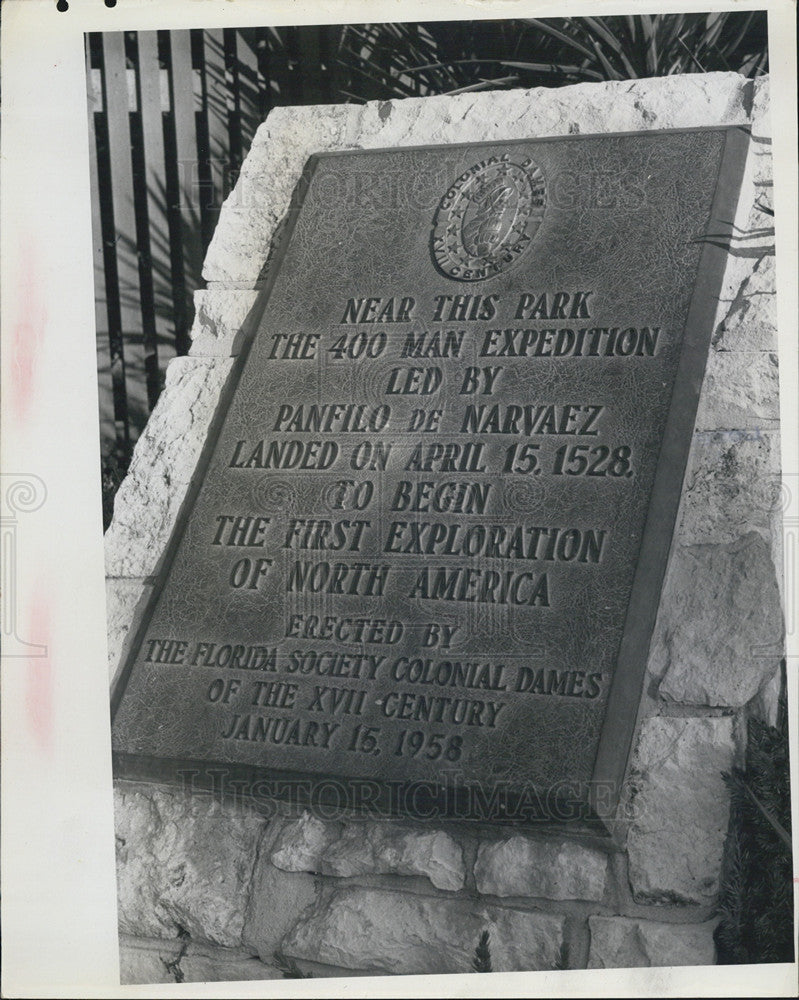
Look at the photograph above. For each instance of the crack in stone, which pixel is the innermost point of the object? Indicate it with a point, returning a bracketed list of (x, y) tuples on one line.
[(173, 967)]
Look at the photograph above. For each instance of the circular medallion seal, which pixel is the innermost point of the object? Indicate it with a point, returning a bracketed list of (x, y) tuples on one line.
[(488, 218)]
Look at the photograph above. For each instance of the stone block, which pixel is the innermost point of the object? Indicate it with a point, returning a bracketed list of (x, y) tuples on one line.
[(761, 108), (301, 843), (276, 900), (766, 703), (521, 866), (720, 625), (761, 156), (183, 862), (147, 962), (752, 242), (123, 597), (253, 214), (410, 934), (163, 463), (679, 809), (748, 322), (732, 486), (221, 321), (621, 943), (369, 848), (740, 391), (219, 967)]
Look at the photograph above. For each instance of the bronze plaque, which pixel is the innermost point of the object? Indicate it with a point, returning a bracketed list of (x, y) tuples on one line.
[(419, 567)]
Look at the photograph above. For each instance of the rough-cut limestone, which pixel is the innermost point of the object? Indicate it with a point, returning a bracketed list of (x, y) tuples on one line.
[(369, 848), (766, 703), (183, 862), (732, 486), (621, 943), (253, 213), (276, 900), (220, 315), (680, 809), (220, 968), (741, 391), (559, 869), (745, 320), (147, 961), (143, 961), (405, 933), (748, 321), (720, 627), (123, 596), (163, 463)]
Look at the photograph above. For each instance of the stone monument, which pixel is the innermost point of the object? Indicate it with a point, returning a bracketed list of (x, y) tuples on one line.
[(390, 516)]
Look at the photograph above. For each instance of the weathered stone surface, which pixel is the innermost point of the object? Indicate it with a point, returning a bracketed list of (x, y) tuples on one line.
[(521, 866), (680, 808), (766, 703), (219, 967), (761, 109), (719, 617), (301, 843), (252, 214), (743, 321), (143, 962), (620, 943), (762, 281), (761, 216), (277, 898), (182, 862), (749, 321), (163, 462), (368, 848), (741, 390), (732, 486), (122, 598), (407, 934), (220, 314)]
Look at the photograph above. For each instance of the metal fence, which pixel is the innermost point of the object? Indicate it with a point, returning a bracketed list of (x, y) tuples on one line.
[(171, 116)]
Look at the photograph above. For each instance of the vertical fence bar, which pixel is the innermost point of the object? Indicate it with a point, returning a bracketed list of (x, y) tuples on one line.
[(149, 335), (330, 41), (94, 106), (310, 40), (117, 107), (157, 221), (111, 263), (275, 65), (117, 104), (293, 88), (234, 129), (105, 384), (265, 96), (216, 155), (247, 91), (184, 215)]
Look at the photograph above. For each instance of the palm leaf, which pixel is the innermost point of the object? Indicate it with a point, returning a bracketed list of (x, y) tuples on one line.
[(561, 36), (612, 73), (601, 29)]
